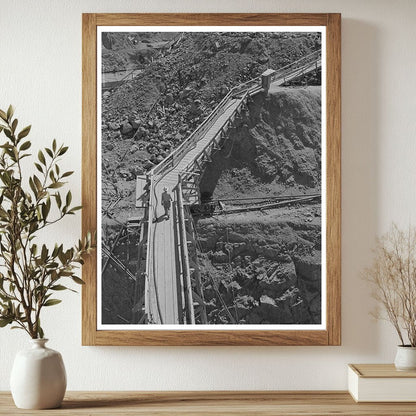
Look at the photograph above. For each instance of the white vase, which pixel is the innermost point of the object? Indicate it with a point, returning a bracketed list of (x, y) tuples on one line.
[(38, 378), (405, 358)]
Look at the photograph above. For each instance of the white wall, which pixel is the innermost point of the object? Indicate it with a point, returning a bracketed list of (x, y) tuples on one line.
[(40, 73)]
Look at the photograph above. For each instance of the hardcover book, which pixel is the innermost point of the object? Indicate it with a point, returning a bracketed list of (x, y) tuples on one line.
[(381, 383)]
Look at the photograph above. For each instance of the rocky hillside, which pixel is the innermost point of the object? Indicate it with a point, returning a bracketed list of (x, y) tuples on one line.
[(127, 50), (258, 267), (276, 150), (147, 117), (265, 266)]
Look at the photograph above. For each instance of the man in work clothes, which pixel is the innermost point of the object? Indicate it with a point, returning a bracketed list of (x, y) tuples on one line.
[(166, 201)]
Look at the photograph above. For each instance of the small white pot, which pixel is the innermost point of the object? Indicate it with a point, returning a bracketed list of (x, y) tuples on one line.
[(38, 378), (405, 358)]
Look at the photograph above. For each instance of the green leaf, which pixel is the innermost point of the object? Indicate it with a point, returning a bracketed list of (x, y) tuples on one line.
[(58, 199), (39, 167), (25, 145), (25, 155), (76, 279), (54, 145), (51, 302), (14, 125), (37, 182), (3, 115), (44, 253), (56, 185), (77, 208), (33, 187), (49, 151), (10, 112), (8, 133), (67, 174), (41, 157), (24, 133), (5, 321), (45, 211), (34, 249), (60, 249), (58, 287), (40, 332), (55, 251), (48, 202), (68, 199), (62, 257), (63, 150)]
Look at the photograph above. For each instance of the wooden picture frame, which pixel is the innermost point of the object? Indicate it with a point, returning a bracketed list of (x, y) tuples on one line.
[(331, 335)]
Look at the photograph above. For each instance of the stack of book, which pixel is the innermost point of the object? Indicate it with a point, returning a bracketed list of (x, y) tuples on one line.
[(381, 383)]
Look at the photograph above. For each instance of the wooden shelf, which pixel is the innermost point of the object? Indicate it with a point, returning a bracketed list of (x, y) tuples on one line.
[(317, 403)]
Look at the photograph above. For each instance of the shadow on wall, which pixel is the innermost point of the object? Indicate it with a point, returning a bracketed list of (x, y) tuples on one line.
[(360, 181)]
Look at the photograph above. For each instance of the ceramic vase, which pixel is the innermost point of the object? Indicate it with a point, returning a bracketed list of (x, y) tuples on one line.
[(405, 358), (38, 378)]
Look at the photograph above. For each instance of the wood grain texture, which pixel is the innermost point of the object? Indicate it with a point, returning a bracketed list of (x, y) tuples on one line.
[(333, 205), (213, 403), (213, 338), (89, 173), (211, 19), (380, 371), (330, 336)]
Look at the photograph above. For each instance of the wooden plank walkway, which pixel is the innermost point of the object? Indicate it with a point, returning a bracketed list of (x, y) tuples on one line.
[(164, 288)]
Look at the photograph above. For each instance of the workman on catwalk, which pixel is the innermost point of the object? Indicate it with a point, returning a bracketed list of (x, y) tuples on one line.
[(166, 201)]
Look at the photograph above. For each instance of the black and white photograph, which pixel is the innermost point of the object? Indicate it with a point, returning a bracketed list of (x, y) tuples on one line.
[(211, 177)]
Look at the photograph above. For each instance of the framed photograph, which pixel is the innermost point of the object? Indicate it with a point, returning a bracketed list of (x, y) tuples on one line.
[(211, 172)]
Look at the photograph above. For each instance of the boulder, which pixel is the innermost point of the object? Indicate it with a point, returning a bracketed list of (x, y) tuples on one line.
[(267, 300), (275, 282), (309, 267), (126, 128), (134, 148), (219, 257), (169, 99), (113, 126), (238, 248), (263, 59), (243, 305), (134, 123), (148, 165), (142, 132)]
